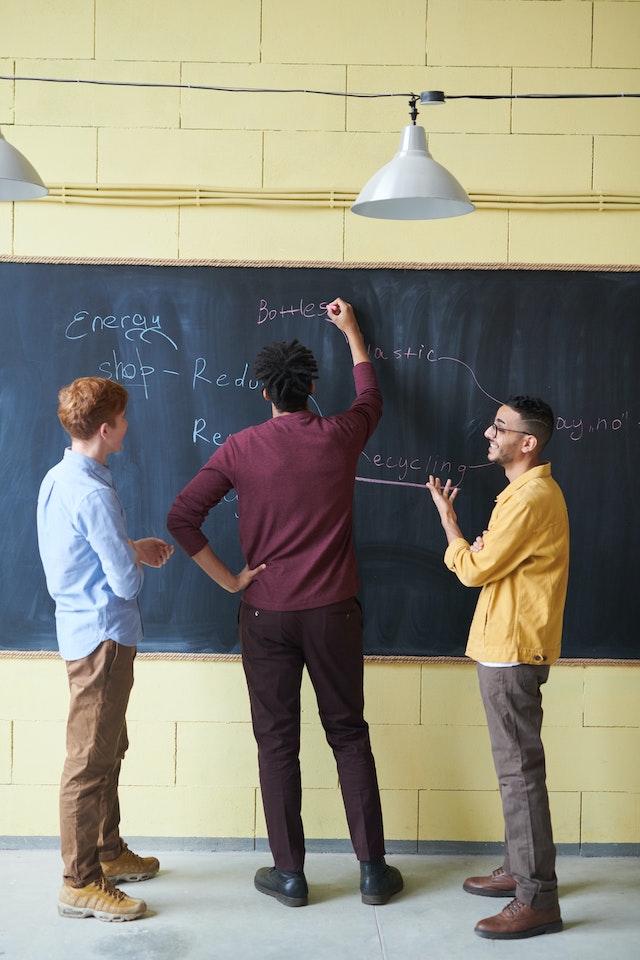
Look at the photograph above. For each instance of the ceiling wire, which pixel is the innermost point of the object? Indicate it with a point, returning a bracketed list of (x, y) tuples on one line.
[(169, 196), (328, 93)]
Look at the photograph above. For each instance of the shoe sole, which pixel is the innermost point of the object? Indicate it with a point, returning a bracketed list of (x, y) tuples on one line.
[(554, 927), (481, 892), (130, 877), (379, 900), (80, 913), (281, 898)]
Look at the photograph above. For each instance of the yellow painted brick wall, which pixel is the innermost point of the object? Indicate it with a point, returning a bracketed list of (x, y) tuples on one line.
[(147, 135), (192, 769)]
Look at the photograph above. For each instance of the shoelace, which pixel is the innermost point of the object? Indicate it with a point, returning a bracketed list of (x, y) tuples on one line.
[(514, 907), (133, 859), (110, 889)]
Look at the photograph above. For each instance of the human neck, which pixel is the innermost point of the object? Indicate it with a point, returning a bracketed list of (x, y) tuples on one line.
[(92, 448), (284, 413), (515, 470)]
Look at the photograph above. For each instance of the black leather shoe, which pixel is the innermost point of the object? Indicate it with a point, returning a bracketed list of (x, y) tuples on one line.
[(378, 881), (288, 888)]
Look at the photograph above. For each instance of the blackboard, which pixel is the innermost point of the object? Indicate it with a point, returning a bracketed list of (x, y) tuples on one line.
[(449, 346)]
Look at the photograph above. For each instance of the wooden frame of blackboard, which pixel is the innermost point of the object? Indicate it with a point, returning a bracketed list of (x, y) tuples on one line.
[(378, 291)]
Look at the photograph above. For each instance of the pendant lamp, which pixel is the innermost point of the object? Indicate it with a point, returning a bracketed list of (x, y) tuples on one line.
[(413, 186), (18, 179)]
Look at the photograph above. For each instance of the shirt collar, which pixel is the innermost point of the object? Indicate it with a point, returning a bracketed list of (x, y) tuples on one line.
[(88, 465), (542, 470)]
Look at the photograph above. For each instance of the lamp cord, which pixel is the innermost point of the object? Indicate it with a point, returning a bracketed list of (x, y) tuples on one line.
[(425, 97)]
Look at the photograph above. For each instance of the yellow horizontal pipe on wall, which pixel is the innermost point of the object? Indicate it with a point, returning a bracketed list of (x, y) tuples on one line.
[(158, 196)]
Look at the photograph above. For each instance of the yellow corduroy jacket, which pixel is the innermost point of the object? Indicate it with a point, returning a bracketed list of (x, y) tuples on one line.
[(522, 569)]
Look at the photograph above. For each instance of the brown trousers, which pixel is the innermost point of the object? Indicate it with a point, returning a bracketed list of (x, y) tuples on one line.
[(512, 700), (99, 686)]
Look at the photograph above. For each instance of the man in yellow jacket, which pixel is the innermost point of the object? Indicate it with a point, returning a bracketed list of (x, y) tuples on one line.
[(521, 562)]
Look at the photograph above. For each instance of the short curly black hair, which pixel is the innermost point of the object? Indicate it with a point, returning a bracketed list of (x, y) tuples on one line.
[(287, 370), (537, 415)]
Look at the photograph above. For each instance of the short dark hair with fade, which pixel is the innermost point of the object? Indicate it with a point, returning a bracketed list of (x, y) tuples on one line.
[(536, 414), (87, 403), (287, 370)]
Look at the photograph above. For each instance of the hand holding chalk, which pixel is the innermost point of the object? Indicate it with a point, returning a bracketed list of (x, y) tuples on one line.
[(335, 311), (341, 314)]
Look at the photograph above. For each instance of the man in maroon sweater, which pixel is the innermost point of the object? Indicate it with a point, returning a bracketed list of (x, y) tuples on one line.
[(295, 476)]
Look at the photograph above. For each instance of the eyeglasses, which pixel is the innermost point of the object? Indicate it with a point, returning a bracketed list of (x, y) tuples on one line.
[(494, 429)]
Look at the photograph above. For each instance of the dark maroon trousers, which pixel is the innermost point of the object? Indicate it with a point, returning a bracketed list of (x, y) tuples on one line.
[(276, 647)]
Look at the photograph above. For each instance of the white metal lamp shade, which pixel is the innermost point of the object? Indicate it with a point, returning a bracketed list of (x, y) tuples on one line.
[(18, 179), (412, 186)]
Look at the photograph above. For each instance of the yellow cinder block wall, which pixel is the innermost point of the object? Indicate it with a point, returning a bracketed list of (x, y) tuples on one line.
[(555, 182), (191, 770)]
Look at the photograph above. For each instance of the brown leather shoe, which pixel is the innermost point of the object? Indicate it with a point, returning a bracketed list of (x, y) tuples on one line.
[(518, 921), (499, 884)]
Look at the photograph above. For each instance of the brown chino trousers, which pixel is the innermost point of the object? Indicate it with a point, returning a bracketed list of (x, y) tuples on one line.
[(99, 686)]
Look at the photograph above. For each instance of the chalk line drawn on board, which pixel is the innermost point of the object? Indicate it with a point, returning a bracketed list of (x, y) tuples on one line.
[(431, 357), (134, 325), (433, 464)]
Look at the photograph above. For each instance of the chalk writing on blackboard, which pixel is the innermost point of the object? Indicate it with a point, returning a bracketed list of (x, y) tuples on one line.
[(134, 325), (448, 346), (136, 372)]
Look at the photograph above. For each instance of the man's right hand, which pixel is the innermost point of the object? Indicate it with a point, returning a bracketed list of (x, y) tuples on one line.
[(341, 313), (443, 497)]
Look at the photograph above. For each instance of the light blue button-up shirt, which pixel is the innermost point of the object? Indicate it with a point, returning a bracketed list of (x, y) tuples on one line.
[(88, 562)]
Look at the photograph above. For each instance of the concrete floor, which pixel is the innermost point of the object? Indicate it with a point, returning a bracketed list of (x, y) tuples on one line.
[(203, 906)]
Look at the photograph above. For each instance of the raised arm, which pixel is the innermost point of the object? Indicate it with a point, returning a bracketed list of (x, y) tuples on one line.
[(341, 313)]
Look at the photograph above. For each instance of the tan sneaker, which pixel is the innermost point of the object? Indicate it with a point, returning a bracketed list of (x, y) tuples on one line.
[(99, 899), (129, 867)]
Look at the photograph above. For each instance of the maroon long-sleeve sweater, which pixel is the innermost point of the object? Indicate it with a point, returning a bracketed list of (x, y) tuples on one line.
[(294, 476)]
